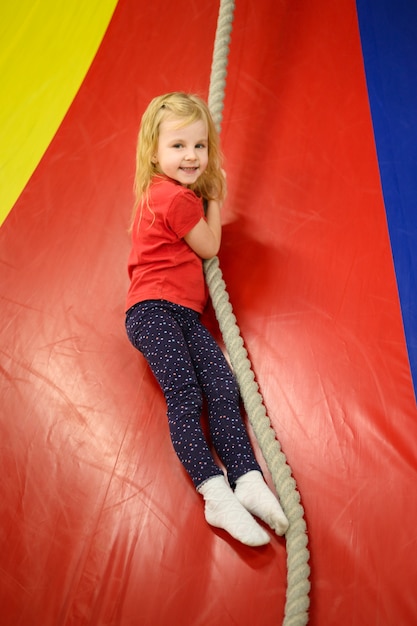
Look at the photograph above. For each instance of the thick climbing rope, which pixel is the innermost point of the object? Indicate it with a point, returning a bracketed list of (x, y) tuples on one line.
[(298, 570)]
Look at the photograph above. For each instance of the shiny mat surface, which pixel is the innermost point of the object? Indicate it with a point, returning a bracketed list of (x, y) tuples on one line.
[(99, 523)]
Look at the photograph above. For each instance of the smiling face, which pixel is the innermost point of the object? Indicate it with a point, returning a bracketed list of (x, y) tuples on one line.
[(182, 152)]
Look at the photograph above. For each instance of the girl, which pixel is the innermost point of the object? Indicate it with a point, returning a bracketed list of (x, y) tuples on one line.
[(178, 175)]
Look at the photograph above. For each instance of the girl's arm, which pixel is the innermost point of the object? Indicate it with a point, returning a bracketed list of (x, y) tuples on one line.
[(205, 237)]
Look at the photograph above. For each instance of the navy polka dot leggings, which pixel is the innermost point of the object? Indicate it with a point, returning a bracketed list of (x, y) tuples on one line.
[(188, 365)]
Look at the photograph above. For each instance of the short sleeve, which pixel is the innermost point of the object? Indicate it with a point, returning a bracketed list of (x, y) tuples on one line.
[(185, 211)]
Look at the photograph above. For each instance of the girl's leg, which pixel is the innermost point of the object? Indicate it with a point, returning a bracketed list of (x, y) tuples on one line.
[(227, 430), (228, 433), (154, 331)]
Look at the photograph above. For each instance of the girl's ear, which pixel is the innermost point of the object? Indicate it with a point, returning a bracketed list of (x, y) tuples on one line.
[(154, 159)]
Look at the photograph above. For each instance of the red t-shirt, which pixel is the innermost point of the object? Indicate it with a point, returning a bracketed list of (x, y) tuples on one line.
[(161, 264)]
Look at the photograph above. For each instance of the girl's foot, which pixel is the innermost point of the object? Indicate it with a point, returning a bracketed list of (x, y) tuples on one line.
[(254, 494), (223, 510)]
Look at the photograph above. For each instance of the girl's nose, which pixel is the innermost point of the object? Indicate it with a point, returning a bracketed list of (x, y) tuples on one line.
[(191, 154)]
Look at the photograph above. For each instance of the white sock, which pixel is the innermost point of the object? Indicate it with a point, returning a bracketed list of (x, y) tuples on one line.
[(223, 510), (254, 494)]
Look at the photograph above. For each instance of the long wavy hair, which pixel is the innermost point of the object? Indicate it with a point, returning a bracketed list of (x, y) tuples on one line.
[(187, 108)]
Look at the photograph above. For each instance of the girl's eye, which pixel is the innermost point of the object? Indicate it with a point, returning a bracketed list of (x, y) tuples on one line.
[(201, 146), (177, 145)]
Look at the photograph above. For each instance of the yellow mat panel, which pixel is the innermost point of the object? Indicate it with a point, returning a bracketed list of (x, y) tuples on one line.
[(46, 48)]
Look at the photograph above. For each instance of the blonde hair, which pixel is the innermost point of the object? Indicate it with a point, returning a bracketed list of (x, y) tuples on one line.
[(188, 108)]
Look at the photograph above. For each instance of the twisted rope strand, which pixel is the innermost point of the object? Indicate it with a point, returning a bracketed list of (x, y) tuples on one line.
[(298, 570), (219, 61)]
